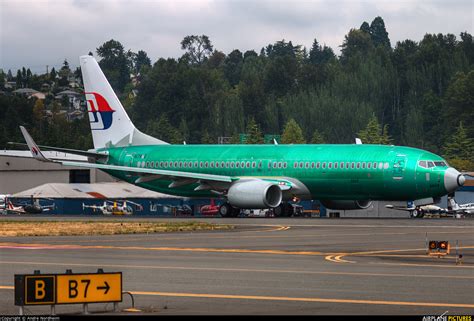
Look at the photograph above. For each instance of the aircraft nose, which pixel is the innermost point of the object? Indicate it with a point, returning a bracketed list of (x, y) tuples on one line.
[(461, 180), (453, 179)]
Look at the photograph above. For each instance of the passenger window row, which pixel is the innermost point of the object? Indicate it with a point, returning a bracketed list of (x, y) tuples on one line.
[(200, 164), (341, 165), (254, 164)]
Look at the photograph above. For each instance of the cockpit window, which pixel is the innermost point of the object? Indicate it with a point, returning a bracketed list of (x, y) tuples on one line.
[(430, 164)]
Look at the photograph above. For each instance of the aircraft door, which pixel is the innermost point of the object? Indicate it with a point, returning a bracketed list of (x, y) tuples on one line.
[(422, 177), (127, 158), (398, 167)]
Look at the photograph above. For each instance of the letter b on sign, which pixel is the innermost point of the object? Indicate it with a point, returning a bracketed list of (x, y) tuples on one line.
[(40, 289)]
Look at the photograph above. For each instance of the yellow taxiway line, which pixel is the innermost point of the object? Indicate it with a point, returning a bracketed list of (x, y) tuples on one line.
[(238, 235), (293, 299), (337, 258), (320, 300), (186, 249), (332, 257), (6, 287), (217, 269)]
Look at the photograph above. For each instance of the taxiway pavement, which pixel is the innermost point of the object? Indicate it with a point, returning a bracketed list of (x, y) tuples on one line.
[(265, 266)]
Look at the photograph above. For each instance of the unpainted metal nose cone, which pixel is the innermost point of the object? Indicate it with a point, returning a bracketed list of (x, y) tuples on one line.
[(453, 179)]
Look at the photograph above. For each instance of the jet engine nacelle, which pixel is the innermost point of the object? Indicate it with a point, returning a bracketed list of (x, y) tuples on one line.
[(254, 194), (346, 205)]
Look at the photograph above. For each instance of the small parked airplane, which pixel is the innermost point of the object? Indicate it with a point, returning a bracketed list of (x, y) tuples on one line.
[(419, 211), (3, 203), (210, 209), (113, 207), (465, 209), (33, 208)]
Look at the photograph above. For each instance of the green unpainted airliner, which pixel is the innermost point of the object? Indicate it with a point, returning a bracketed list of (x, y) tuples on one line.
[(252, 176)]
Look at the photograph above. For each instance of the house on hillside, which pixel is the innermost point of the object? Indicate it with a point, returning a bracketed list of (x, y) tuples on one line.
[(74, 98)]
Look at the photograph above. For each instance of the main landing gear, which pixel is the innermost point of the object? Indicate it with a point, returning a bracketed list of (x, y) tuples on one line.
[(227, 210), (283, 210)]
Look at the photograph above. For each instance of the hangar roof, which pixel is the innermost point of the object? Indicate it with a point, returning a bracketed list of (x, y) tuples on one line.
[(114, 190)]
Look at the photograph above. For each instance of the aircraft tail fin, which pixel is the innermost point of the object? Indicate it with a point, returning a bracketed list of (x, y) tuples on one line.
[(110, 124)]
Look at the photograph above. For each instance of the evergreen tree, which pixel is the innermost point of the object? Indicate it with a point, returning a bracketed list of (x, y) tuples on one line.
[(233, 67), (460, 145), (365, 27), (141, 61), (320, 54), (356, 42), (206, 138), (19, 79), (52, 74), (292, 134), (29, 75), (317, 138), (374, 133), (459, 101), (254, 133), (379, 34), (2, 78)]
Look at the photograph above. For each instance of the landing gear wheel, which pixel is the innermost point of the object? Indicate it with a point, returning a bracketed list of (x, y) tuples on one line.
[(417, 214), (226, 210), (235, 212), (278, 211), (283, 210)]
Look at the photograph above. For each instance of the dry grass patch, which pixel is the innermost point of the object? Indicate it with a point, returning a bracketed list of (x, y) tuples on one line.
[(52, 228)]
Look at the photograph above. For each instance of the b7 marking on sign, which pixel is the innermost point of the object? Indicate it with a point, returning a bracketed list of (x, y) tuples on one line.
[(89, 288)]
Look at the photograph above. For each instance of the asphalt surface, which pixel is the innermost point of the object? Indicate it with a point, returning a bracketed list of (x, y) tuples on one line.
[(265, 266)]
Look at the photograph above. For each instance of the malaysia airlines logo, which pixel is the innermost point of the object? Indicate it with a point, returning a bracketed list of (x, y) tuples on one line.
[(100, 112)]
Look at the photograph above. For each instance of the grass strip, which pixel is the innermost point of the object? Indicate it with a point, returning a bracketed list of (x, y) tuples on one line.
[(54, 228)]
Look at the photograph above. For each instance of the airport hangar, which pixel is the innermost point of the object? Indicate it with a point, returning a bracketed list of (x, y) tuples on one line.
[(22, 177), (70, 187)]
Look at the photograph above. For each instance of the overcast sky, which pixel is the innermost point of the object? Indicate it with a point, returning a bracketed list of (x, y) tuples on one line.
[(36, 33)]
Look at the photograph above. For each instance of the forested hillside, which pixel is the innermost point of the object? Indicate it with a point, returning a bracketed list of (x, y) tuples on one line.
[(418, 93)]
